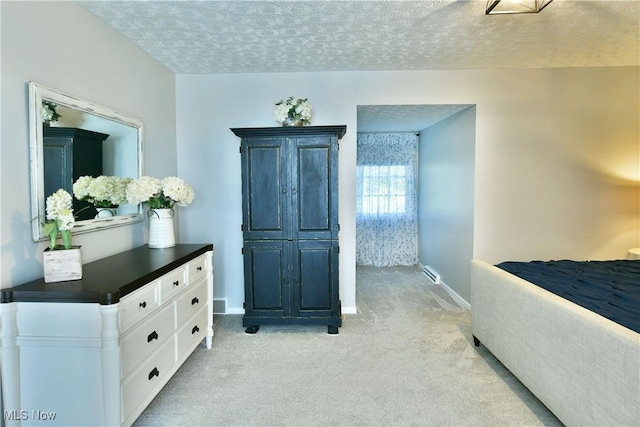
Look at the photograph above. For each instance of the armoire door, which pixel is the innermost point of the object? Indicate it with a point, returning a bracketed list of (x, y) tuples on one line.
[(267, 279), (291, 279), (314, 187), (58, 166), (290, 188), (266, 203), (315, 279)]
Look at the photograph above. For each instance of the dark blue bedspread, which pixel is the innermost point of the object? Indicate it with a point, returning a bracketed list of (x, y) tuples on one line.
[(609, 288)]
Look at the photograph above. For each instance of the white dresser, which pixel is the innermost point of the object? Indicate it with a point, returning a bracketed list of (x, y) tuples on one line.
[(96, 351)]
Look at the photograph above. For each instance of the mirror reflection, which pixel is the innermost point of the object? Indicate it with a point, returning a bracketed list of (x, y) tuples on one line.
[(72, 138)]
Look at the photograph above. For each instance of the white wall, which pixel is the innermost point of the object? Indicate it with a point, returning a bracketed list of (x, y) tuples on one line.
[(209, 158), (446, 185), (557, 175), (60, 45), (557, 153), (556, 169)]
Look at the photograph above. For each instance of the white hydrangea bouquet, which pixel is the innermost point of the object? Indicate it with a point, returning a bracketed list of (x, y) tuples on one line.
[(292, 110), (60, 220), (159, 194), (103, 191), (48, 112)]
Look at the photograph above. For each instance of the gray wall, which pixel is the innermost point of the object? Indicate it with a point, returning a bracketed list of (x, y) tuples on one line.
[(446, 195), (556, 170), (60, 45), (556, 159)]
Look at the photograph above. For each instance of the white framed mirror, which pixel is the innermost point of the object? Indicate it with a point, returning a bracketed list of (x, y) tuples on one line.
[(114, 142)]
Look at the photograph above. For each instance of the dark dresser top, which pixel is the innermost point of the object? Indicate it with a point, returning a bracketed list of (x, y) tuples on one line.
[(107, 280)]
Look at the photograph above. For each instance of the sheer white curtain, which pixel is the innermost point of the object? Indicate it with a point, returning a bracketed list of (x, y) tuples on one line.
[(387, 209)]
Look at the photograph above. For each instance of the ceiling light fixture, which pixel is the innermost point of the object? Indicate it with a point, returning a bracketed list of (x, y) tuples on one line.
[(497, 7)]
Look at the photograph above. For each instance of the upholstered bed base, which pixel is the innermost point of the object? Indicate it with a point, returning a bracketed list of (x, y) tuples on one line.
[(583, 367)]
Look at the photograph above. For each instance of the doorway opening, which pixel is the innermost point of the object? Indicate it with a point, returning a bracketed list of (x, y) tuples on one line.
[(444, 183)]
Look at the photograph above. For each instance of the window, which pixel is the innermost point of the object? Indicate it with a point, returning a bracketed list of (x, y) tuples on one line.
[(384, 189), (386, 205)]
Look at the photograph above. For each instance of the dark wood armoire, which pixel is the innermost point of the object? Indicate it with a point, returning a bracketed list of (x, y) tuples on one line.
[(290, 225), (70, 153)]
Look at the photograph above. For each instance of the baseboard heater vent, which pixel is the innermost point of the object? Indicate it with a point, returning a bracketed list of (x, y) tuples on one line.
[(431, 274), (220, 306)]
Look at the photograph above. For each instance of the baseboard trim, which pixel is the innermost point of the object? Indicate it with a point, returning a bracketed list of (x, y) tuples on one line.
[(434, 277), (349, 310), (220, 306), (457, 298)]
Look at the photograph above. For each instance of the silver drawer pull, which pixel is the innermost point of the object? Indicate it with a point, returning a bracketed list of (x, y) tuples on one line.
[(152, 336), (195, 329), (154, 373), (195, 301)]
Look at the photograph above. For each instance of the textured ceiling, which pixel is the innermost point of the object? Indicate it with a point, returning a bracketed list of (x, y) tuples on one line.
[(403, 118), (275, 36), (242, 36)]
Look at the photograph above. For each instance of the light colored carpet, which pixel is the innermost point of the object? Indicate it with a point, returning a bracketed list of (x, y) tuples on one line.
[(406, 359)]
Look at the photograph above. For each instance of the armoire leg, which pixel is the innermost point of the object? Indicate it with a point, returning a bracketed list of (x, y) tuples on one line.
[(252, 329)]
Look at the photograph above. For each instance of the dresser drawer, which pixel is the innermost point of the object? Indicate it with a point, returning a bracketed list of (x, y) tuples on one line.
[(138, 304), (194, 330), (173, 282), (197, 268), (137, 386), (191, 301), (146, 338)]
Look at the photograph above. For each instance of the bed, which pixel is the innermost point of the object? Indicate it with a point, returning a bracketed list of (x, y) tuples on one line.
[(583, 366)]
